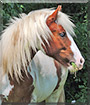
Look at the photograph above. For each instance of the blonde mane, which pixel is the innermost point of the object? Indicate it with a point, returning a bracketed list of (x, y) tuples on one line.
[(26, 33)]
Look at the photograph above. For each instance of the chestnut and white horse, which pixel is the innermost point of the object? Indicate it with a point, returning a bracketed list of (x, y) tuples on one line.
[(37, 52)]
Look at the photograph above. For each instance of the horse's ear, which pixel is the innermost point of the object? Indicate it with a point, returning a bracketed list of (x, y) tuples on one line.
[(59, 7), (53, 16)]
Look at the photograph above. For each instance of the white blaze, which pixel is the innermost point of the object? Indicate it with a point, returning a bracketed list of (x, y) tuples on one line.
[(76, 52)]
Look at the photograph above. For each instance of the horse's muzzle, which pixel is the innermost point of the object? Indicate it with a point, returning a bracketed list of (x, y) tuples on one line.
[(78, 63)]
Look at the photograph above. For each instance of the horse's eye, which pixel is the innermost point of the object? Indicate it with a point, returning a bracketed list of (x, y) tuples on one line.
[(62, 34)]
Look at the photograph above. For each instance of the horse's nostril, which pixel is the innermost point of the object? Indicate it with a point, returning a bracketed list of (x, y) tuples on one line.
[(81, 60)]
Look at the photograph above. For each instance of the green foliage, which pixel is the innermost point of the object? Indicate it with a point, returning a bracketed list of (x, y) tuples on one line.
[(10, 10), (75, 88)]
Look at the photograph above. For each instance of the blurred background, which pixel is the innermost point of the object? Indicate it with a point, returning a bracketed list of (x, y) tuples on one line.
[(75, 88)]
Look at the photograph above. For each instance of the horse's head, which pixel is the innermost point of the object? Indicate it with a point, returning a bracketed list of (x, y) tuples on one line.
[(61, 45), (41, 29)]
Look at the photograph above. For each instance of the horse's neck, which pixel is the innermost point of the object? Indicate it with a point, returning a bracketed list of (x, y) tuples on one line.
[(48, 75)]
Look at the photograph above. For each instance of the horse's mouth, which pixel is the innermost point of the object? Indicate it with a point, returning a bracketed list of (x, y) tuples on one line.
[(73, 67)]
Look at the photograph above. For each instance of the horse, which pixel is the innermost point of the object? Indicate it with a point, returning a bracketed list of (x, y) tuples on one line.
[(37, 51)]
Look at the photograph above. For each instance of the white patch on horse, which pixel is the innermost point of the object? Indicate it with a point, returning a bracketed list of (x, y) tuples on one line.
[(7, 90), (76, 52), (44, 76), (5, 86)]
